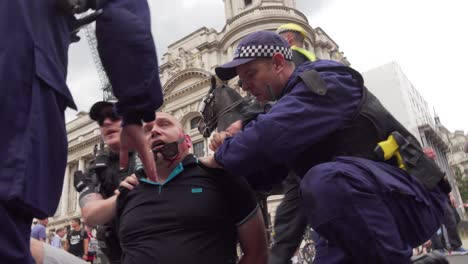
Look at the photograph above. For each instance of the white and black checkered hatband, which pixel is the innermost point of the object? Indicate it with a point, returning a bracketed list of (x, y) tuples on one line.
[(262, 51)]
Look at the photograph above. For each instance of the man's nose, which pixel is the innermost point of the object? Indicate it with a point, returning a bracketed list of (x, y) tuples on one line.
[(107, 122), (155, 131), (245, 86)]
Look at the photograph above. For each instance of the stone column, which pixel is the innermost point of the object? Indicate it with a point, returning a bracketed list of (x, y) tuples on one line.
[(64, 198), (228, 9), (81, 164)]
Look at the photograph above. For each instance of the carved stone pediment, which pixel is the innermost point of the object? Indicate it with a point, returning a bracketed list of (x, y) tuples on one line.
[(174, 83)]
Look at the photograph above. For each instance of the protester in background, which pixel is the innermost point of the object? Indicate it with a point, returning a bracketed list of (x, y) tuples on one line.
[(39, 230), (447, 239), (77, 240), (93, 244), (56, 241)]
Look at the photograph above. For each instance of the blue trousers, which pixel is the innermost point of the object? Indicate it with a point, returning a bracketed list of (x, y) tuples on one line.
[(33, 156), (15, 232), (368, 212)]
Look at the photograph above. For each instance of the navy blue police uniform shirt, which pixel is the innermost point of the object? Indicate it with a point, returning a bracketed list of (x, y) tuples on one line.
[(191, 218), (299, 120)]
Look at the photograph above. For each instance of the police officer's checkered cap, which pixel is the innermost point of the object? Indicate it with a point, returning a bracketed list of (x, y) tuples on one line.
[(262, 51), (260, 44)]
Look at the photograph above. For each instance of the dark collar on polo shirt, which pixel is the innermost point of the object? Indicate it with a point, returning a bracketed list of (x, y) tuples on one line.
[(189, 161)]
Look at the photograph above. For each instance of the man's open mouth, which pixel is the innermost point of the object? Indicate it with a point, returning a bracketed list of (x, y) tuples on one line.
[(157, 144)]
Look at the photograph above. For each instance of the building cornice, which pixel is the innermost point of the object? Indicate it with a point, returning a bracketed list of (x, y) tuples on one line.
[(183, 75), (85, 143), (191, 88), (200, 30), (262, 8), (262, 16), (78, 123)]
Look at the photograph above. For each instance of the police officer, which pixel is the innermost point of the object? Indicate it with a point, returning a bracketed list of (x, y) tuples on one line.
[(325, 126), (295, 35), (290, 221), (102, 178), (35, 36)]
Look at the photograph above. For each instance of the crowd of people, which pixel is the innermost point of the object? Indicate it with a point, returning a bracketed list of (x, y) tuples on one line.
[(151, 201), (77, 240)]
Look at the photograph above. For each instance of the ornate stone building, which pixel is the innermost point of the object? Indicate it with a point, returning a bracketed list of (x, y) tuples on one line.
[(457, 157), (185, 72)]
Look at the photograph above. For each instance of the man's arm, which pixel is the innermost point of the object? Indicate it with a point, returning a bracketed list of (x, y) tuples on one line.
[(125, 28), (85, 247), (296, 122), (66, 246), (94, 209), (102, 211), (253, 240), (246, 215), (99, 211), (46, 254)]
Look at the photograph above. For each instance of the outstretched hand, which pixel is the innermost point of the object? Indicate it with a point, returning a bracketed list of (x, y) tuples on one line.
[(132, 137)]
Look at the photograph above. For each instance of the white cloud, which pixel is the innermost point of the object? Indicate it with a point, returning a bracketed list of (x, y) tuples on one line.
[(425, 37)]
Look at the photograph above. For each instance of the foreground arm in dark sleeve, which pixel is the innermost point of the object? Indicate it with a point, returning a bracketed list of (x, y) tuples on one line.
[(296, 122), (128, 54)]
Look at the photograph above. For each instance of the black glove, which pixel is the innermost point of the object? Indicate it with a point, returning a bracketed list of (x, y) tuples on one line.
[(79, 6), (84, 184), (79, 181)]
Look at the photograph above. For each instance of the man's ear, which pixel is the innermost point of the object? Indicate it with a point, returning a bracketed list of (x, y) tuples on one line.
[(188, 141), (279, 62)]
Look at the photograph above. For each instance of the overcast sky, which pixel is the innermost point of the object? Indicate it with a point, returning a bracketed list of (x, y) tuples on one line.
[(427, 38)]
